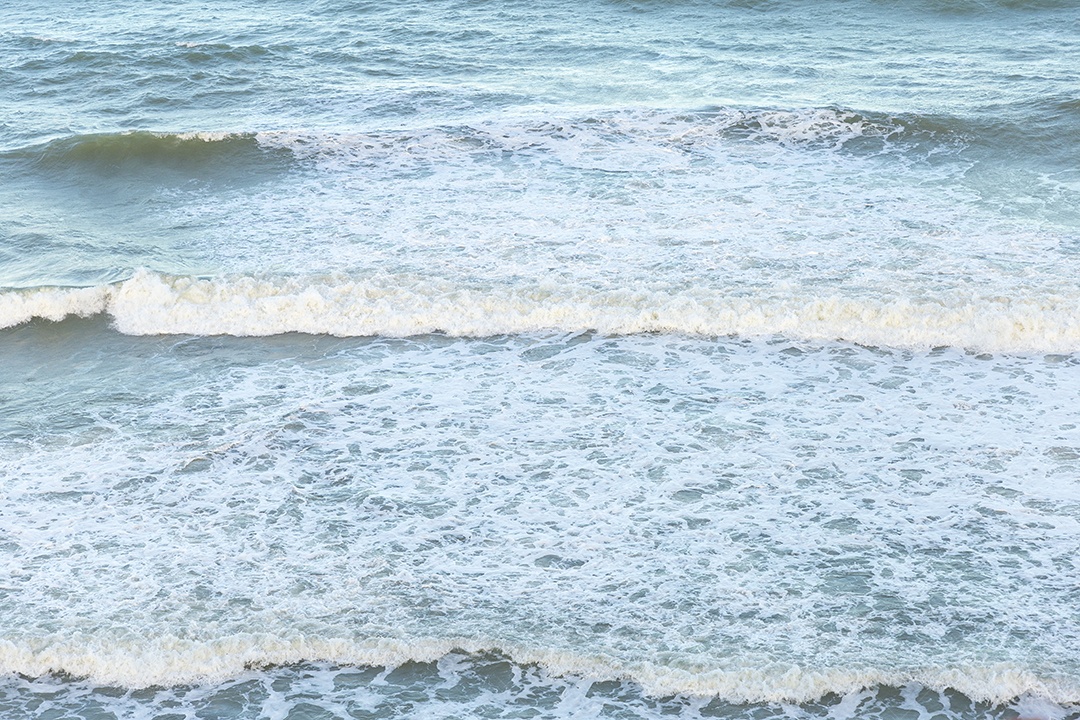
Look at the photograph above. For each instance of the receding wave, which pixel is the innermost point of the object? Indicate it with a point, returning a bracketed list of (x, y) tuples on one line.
[(402, 305), (175, 661)]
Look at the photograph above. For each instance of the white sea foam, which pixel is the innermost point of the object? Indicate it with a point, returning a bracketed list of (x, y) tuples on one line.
[(174, 661), (19, 306), (573, 137), (762, 519), (203, 135), (719, 518), (630, 141), (401, 306)]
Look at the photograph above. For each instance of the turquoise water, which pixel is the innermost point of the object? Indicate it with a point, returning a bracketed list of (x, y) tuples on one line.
[(594, 359)]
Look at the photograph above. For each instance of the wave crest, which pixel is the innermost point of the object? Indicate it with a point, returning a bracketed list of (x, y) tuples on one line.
[(625, 140), (401, 306), (108, 151), (170, 660), (572, 139)]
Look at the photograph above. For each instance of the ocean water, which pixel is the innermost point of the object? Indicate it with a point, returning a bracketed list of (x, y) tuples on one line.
[(592, 359)]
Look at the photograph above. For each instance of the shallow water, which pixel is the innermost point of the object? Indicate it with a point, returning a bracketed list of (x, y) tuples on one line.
[(564, 360)]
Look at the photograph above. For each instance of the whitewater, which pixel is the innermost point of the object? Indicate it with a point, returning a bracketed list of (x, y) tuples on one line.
[(560, 360), (391, 306)]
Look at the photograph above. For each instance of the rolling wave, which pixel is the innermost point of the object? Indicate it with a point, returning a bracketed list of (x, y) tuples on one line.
[(671, 130), (171, 660), (400, 305), (129, 150)]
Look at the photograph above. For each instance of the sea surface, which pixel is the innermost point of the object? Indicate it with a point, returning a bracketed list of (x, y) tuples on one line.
[(547, 359)]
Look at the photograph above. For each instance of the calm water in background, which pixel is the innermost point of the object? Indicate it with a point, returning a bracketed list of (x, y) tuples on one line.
[(549, 359)]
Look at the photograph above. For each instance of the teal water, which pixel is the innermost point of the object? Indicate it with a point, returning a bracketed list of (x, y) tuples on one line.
[(594, 359)]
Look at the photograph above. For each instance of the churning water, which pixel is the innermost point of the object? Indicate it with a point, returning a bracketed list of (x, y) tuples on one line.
[(540, 359)]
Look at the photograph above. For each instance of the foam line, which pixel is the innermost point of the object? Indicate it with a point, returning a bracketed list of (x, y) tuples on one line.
[(401, 306), (173, 661)]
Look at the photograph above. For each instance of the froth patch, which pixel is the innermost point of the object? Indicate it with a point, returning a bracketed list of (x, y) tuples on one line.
[(402, 306), (170, 661), (19, 306), (641, 140)]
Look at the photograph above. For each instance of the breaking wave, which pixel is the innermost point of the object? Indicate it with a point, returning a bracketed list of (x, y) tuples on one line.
[(174, 661), (401, 305), (200, 154), (677, 131)]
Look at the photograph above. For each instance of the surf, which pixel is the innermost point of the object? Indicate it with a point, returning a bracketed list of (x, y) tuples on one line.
[(173, 660), (396, 305)]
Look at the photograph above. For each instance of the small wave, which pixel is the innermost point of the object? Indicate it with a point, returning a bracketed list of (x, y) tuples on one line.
[(813, 127), (627, 140), (109, 151), (655, 139), (971, 7), (399, 306), (170, 661), (202, 51)]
